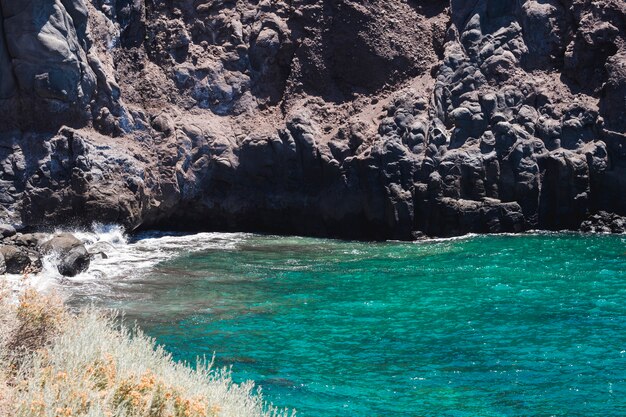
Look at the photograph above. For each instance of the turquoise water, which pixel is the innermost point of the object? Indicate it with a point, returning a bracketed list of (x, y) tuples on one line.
[(530, 325)]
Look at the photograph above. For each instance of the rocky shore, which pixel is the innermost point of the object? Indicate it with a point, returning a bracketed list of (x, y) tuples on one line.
[(22, 253), (370, 120)]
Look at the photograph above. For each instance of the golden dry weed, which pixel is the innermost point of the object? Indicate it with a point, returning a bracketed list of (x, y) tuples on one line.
[(65, 365)]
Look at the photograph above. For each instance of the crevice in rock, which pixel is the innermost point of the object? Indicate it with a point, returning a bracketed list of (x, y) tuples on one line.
[(8, 70)]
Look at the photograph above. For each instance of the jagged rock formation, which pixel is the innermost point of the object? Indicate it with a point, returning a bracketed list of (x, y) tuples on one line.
[(369, 119), (603, 222)]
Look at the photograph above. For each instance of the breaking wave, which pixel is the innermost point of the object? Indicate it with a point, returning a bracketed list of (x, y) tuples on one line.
[(118, 257)]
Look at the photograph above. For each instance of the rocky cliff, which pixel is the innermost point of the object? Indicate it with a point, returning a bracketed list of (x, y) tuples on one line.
[(359, 119)]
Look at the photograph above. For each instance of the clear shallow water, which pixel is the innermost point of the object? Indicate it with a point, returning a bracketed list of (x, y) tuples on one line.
[(483, 326)]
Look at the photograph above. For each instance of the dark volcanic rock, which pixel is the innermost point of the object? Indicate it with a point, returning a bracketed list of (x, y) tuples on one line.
[(71, 255), (48, 76), (7, 230), (351, 119), (603, 222), (22, 253), (31, 240), (17, 260)]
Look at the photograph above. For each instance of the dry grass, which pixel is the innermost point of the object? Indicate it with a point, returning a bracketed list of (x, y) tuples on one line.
[(26, 327), (58, 365), (7, 323)]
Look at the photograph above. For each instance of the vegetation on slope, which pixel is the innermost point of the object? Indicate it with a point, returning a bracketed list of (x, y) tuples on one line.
[(55, 364)]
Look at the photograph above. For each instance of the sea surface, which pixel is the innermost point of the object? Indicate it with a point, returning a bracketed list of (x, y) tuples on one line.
[(527, 325)]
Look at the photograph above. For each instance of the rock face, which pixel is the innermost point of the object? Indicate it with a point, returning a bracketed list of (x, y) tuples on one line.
[(45, 70), (335, 118)]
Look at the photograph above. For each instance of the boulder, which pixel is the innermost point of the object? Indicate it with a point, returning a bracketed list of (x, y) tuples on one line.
[(16, 259), (603, 222), (29, 239), (7, 230), (71, 255), (454, 217)]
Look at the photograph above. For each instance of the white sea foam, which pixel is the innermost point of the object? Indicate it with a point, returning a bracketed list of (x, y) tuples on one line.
[(119, 257), (127, 258), (447, 239), (468, 236)]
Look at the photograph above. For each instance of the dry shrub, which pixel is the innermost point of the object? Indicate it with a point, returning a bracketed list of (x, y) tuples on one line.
[(6, 395), (7, 322), (25, 327), (38, 319), (85, 365), (7, 315)]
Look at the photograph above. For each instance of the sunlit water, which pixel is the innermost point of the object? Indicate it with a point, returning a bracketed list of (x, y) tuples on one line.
[(481, 326)]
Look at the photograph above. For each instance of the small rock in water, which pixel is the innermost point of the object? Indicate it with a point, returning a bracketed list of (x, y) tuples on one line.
[(101, 254), (417, 235), (73, 257)]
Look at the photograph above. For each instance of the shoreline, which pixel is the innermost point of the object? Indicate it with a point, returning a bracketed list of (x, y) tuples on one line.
[(109, 244)]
